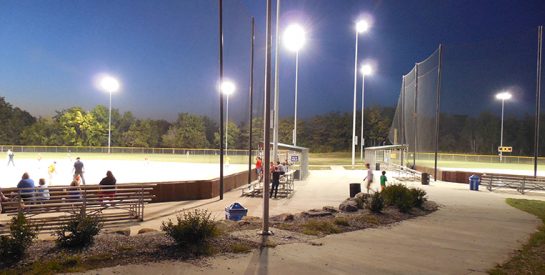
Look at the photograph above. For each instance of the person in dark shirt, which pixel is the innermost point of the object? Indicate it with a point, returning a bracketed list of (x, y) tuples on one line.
[(277, 172), (26, 182), (78, 170), (107, 184)]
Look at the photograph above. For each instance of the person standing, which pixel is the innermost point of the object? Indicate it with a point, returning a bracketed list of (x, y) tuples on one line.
[(369, 178), (383, 181), (259, 168), (79, 170), (275, 181), (11, 155), (51, 171)]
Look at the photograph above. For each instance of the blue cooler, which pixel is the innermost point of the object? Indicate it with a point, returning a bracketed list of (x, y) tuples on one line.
[(235, 212), (474, 182)]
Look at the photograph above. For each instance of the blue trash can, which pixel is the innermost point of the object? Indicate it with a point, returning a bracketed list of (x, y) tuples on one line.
[(474, 182), (235, 212)]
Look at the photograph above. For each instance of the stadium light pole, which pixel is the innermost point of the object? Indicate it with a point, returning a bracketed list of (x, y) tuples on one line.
[(503, 96), (294, 39), (227, 88), (361, 27), (111, 85), (366, 69)]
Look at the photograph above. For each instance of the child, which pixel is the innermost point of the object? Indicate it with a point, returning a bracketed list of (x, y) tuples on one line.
[(43, 192), (383, 180)]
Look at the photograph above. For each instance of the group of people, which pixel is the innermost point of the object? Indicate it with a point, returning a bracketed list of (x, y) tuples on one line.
[(369, 178), (30, 192), (276, 171)]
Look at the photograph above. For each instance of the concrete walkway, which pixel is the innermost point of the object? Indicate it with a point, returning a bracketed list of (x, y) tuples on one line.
[(470, 233)]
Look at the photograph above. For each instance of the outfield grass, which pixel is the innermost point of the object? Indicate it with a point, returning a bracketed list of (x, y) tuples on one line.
[(479, 165), (531, 258)]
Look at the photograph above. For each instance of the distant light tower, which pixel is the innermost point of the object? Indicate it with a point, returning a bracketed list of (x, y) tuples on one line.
[(361, 27), (111, 85), (227, 88), (366, 69), (503, 96), (294, 39)]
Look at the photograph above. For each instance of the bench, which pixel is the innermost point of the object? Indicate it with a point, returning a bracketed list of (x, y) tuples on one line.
[(286, 187), (405, 173), (122, 204), (520, 183)]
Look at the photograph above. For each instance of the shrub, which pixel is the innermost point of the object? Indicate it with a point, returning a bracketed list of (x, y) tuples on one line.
[(418, 196), (314, 227), (78, 232), (399, 196), (341, 221), (14, 246), (375, 203), (193, 230)]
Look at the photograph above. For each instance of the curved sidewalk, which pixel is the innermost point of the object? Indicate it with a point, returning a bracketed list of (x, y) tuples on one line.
[(470, 233)]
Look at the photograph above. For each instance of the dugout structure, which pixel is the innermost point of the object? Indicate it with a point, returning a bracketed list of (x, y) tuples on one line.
[(386, 155), (297, 157)]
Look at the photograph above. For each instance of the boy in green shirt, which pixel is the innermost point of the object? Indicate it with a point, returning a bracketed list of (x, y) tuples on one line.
[(383, 180)]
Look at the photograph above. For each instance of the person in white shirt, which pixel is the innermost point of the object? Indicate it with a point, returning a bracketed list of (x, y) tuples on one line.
[(369, 178)]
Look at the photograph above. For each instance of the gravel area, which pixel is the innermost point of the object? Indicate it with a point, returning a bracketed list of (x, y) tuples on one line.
[(113, 248)]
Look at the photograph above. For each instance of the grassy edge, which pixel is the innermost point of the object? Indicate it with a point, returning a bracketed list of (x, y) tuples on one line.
[(530, 259)]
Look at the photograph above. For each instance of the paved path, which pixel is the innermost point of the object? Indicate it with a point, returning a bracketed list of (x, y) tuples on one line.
[(469, 234)]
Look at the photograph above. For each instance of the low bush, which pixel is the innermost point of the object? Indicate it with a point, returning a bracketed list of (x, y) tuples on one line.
[(14, 246), (342, 221), (398, 195), (375, 203), (193, 230), (78, 232), (419, 196), (315, 227)]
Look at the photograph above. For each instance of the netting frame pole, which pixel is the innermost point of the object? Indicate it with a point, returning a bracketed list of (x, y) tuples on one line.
[(415, 115), (538, 95), (220, 2), (437, 109), (251, 91), (403, 139)]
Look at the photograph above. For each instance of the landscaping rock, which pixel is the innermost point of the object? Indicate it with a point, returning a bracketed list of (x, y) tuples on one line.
[(349, 205), (118, 231), (146, 230), (331, 209), (317, 213), (286, 217)]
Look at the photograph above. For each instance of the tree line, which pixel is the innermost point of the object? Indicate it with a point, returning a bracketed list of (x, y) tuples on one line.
[(330, 132)]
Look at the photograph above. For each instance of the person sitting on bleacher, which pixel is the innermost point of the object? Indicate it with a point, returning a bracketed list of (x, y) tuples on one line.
[(74, 192), (26, 182), (108, 185)]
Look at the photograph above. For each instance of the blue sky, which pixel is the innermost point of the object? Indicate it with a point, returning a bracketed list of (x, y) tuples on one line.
[(166, 53)]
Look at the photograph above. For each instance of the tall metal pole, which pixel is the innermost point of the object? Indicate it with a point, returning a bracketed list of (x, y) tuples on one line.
[(226, 122), (362, 114), (501, 133), (538, 95), (437, 108), (415, 115), (402, 130), (110, 124), (221, 94), (296, 86), (276, 83), (267, 124), (251, 107), (354, 109)]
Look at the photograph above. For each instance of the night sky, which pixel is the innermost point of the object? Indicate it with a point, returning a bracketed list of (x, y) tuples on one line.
[(166, 53)]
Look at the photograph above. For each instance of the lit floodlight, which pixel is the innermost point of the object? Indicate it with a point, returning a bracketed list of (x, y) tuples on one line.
[(227, 87), (503, 96), (362, 26), (366, 69), (294, 37), (109, 84)]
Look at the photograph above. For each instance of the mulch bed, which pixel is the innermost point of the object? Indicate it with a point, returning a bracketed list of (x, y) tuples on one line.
[(111, 249)]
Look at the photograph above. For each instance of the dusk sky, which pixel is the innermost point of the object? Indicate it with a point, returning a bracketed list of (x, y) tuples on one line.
[(165, 53)]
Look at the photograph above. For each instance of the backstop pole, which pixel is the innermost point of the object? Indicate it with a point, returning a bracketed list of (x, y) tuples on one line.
[(250, 134), (437, 108), (415, 114), (221, 95), (538, 95)]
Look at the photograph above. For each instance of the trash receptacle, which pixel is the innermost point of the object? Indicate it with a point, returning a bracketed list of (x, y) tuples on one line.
[(377, 166), (354, 189), (235, 212), (474, 182), (425, 179)]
